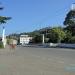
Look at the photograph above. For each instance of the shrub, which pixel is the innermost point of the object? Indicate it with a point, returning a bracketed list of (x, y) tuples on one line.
[(8, 41), (72, 40), (1, 45), (37, 39)]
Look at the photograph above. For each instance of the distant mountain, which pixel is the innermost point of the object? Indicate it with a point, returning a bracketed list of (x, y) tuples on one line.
[(40, 31)]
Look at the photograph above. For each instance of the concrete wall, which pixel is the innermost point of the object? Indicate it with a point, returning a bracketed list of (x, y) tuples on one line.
[(62, 45), (67, 45)]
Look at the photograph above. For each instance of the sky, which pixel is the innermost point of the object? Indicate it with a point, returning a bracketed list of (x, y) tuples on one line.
[(30, 15)]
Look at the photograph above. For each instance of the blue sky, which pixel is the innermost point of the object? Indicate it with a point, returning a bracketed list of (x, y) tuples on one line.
[(29, 15)]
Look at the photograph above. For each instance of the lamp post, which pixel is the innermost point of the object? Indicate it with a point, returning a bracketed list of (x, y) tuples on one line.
[(3, 37), (43, 39)]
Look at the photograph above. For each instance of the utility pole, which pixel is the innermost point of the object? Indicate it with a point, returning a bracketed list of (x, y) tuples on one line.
[(3, 37), (43, 39)]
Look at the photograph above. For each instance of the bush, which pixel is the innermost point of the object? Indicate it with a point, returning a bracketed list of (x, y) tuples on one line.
[(72, 40), (56, 35), (37, 39), (46, 40), (1, 45), (8, 41)]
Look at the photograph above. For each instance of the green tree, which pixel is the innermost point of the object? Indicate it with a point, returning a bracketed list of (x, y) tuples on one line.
[(72, 40), (56, 35), (4, 19), (37, 38), (67, 37), (70, 22)]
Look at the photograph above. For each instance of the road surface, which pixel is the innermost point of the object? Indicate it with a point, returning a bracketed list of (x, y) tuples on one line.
[(37, 61)]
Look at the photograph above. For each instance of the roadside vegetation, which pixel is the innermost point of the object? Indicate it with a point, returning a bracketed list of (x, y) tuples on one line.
[(65, 34)]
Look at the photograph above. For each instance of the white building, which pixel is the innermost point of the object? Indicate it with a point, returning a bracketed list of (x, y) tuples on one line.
[(25, 39)]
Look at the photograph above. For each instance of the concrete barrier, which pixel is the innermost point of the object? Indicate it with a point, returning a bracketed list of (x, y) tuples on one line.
[(47, 45), (66, 45), (62, 45)]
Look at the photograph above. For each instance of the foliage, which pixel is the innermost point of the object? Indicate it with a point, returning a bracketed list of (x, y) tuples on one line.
[(52, 37), (67, 37), (70, 22), (37, 38), (56, 35), (72, 40), (8, 41), (1, 45), (46, 40), (33, 34), (69, 18), (3, 19)]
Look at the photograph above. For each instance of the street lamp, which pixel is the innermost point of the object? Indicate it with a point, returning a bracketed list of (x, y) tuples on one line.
[(43, 39), (3, 37)]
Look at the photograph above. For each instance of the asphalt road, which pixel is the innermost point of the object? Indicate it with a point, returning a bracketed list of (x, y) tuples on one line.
[(37, 61)]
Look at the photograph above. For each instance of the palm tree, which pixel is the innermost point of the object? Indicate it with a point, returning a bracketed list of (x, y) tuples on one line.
[(4, 19)]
